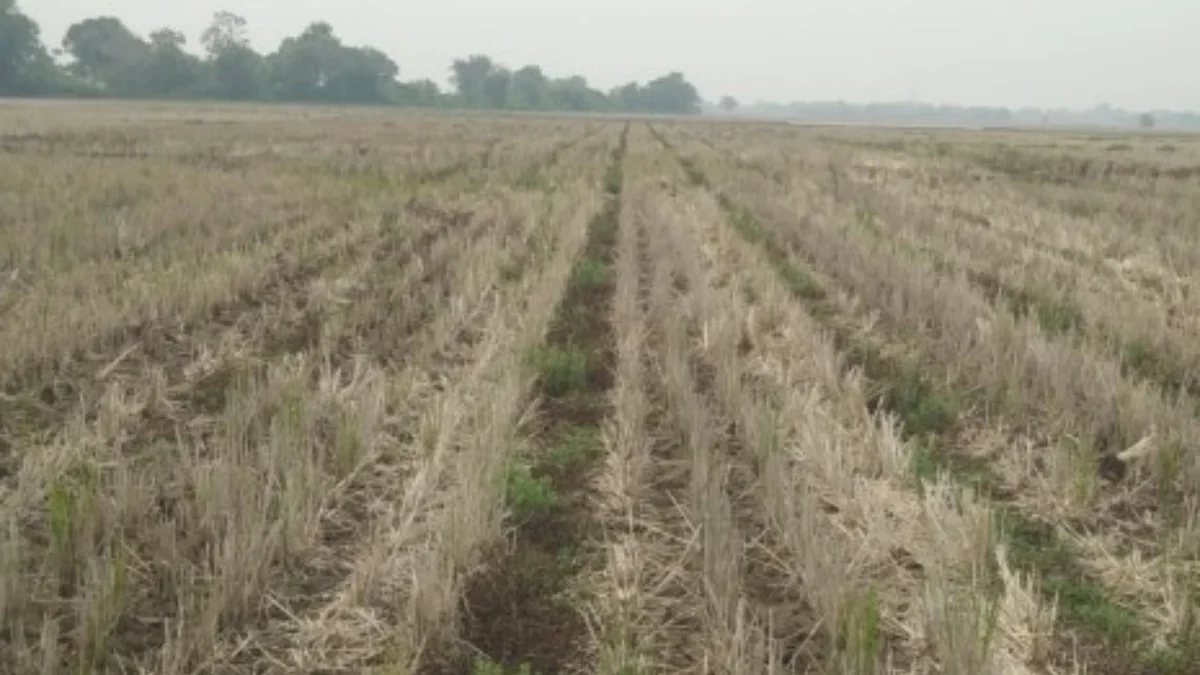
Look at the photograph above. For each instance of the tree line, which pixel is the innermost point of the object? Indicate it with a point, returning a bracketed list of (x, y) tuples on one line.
[(909, 112), (102, 57)]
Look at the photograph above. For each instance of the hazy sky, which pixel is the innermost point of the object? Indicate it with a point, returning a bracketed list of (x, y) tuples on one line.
[(1019, 52)]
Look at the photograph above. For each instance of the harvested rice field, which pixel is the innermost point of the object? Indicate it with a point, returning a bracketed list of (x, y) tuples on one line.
[(331, 391)]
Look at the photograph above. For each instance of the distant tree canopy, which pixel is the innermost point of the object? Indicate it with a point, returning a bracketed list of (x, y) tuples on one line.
[(105, 58), (909, 112), (25, 66)]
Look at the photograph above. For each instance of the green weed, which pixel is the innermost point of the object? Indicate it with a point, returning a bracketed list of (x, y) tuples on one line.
[(865, 218), (1084, 462), (348, 445), (1139, 356), (620, 659), (1081, 208), (511, 271), (1059, 315), (694, 174), (971, 217), (923, 409), (924, 464), (1170, 459), (859, 637), (60, 512), (590, 272), (485, 666), (798, 281), (104, 609), (532, 179), (613, 179), (67, 502), (529, 497), (1080, 601), (969, 625), (1056, 314), (745, 223), (560, 371), (579, 445), (1180, 657)]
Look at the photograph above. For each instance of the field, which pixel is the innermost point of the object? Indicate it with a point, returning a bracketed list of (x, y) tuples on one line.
[(333, 391)]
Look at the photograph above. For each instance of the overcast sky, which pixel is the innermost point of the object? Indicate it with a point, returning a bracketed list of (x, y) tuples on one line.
[(1019, 52)]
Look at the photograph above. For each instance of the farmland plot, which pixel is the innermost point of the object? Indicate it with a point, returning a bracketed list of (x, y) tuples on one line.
[(364, 392)]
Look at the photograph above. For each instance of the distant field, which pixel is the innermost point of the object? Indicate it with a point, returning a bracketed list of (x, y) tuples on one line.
[(305, 390)]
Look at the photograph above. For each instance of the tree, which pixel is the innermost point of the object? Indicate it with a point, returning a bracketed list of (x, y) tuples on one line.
[(170, 70), (529, 89), (295, 69), (728, 104), (226, 32), (238, 74), (107, 58), (574, 94), (236, 69), (108, 55), (316, 66), (470, 76), (670, 94), (496, 88), (626, 97), (359, 75), (168, 40), (1146, 121), (424, 93), (22, 55)]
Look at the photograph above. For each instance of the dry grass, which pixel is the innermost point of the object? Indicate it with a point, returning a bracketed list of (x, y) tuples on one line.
[(292, 390), (1023, 394), (258, 371)]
